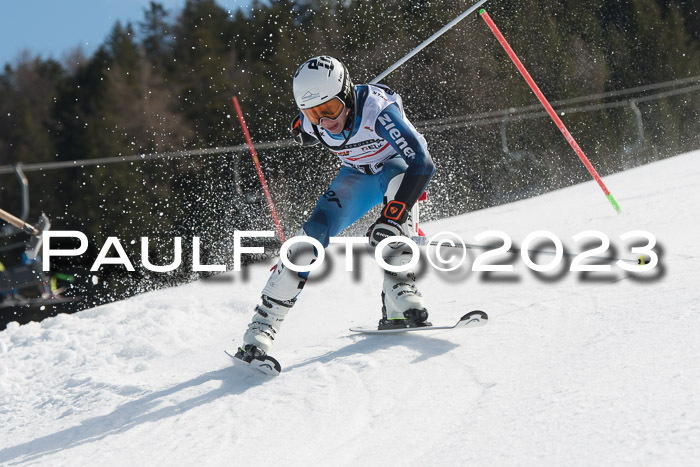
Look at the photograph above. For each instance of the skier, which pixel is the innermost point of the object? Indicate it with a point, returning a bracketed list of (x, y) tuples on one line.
[(384, 159)]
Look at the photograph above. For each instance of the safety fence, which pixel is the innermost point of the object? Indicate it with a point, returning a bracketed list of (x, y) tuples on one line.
[(593, 102)]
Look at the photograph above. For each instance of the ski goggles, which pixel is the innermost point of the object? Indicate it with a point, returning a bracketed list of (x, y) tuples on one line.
[(331, 110)]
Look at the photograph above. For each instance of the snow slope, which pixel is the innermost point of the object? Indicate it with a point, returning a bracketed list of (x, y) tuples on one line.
[(570, 370)]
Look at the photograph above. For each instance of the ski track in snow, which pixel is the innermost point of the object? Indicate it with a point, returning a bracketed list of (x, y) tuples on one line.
[(568, 371)]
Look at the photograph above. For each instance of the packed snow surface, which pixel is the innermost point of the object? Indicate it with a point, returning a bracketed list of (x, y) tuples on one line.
[(572, 368)]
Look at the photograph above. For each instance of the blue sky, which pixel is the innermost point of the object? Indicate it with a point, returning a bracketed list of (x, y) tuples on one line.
[(53, 28)]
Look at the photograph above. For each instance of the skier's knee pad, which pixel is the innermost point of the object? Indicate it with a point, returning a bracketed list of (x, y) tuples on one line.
[(393, 187), (285, 284)]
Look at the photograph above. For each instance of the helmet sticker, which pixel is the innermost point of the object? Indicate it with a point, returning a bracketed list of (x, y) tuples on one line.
[(309, 95)]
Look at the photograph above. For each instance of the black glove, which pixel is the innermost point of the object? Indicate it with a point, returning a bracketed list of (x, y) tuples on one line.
[(389, 223), (300, 136)]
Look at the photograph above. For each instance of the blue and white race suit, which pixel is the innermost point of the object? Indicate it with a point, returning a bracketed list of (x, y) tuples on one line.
[(383, 144)]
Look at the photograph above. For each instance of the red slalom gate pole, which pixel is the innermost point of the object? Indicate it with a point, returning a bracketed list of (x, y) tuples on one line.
[(548, 107), (258, 169)]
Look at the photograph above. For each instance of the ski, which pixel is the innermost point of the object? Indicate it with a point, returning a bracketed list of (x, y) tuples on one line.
[(472, 319), (266, 364)]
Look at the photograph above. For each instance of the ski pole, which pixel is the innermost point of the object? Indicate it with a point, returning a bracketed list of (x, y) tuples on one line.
[(427, 42), (258, 169), (19, 223), (543, 100)]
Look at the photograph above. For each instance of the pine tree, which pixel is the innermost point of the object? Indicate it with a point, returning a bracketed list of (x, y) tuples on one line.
[(203, 58), (156, 35)]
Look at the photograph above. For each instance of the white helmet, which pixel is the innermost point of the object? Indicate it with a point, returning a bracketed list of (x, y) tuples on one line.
[(321, 79)]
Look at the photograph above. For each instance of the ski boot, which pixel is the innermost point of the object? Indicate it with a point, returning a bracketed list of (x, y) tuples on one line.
[(265, 324), (402, 303)]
